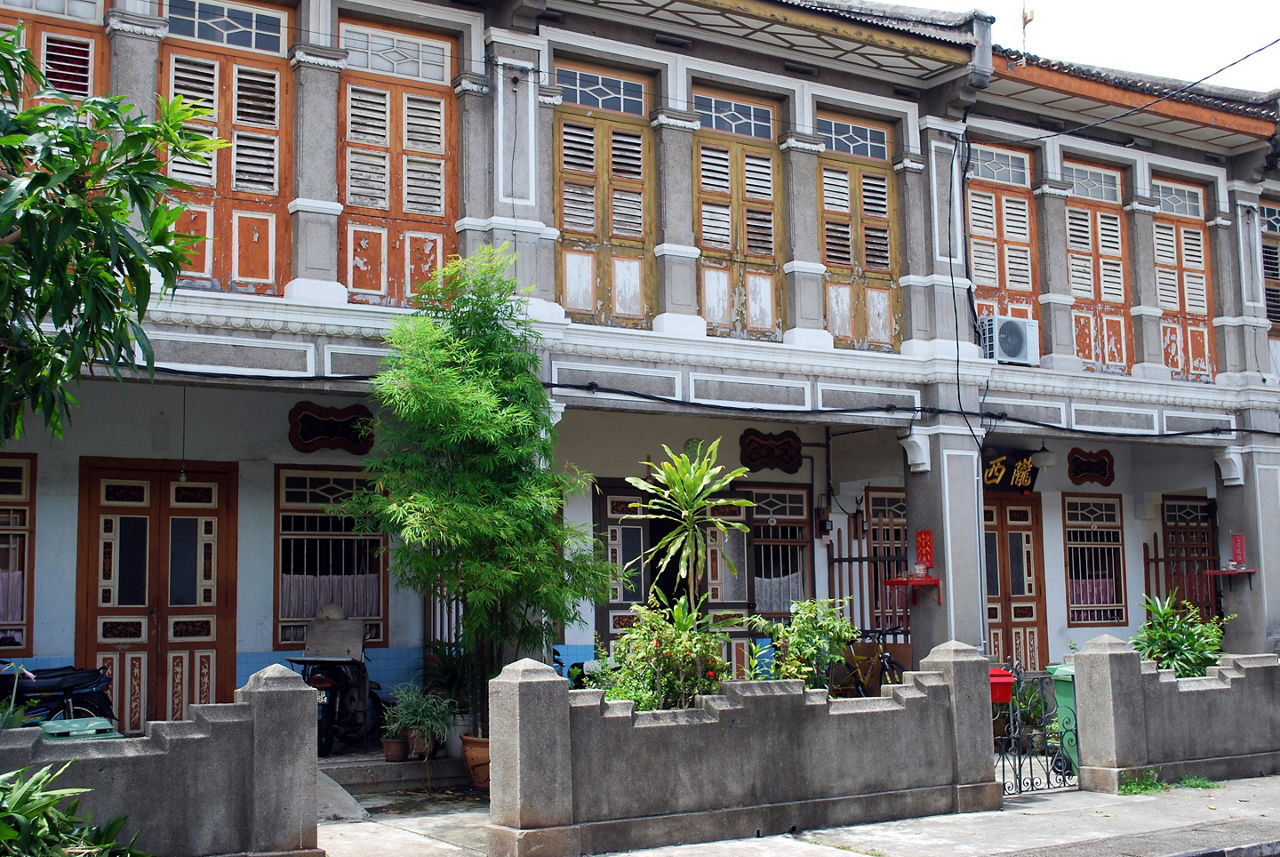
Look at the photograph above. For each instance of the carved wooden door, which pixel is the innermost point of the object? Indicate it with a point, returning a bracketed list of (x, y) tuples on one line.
[(1014, 561)]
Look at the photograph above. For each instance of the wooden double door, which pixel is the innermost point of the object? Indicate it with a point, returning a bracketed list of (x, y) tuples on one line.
[(156, 584), (1013, 555)]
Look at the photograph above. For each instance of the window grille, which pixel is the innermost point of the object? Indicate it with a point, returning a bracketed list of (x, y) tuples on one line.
[(1094, 537), (781, 543), (17, 552)]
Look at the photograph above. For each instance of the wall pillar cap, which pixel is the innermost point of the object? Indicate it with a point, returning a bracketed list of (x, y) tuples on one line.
[(135, 24), (470, 83), (1107, 645), (274, 677), (953, 650), (318, 56), (670, 117), (527, 670), (801, 142)]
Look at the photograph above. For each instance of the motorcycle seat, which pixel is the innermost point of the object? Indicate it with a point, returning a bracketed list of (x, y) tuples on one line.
[(42, 685)]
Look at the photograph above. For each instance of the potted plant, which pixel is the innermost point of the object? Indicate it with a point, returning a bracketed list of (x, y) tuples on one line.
[(423, 718), (461, 473), (395, 744)]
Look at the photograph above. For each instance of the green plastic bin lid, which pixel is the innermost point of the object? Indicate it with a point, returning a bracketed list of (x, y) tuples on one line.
[(1061, 670), (78, 729)]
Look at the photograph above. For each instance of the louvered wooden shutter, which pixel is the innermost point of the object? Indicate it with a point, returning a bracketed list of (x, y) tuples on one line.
[(758, 186), (578, 194), (423, 124), (1168, 294), (875, 237), (68, 64), (1195, 289), (626, 164), (1016, 223), (1271, 261), (255, 156), (717, 216), (1111, 261), (196, 81), (423, 177), (837, 230), (368, 170)]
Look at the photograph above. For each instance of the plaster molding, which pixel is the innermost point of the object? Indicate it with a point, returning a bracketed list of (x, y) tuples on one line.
[(917, 449), (282, 315), (132, 24), (551, 96), (301, 55), (1242, 321), (1057, 300), (796, 267), (508, 224), (316, 292), (1142, 208), (1219, 223), (1051, 189), (680, 251), (662, 120), (814, 339), (1230, 461), (939, 123), (799, 145), (315, 206), (468, 84), (681, 325), (909, 164), (1146, 312)]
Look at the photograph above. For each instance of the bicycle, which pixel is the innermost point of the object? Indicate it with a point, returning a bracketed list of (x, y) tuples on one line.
[(863, 667)]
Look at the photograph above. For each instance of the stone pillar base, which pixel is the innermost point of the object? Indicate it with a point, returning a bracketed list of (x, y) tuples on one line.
[(681, 325), (806, 337), (316, 292)]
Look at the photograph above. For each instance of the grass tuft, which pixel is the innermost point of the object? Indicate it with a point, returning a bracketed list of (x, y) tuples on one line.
[(1146, 783)]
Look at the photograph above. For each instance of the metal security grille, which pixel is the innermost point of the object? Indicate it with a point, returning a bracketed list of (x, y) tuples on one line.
[(781, 561), (1095, 561), (873, 550)]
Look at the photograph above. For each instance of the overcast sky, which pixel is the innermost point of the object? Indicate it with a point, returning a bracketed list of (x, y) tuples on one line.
[(1183, 39)]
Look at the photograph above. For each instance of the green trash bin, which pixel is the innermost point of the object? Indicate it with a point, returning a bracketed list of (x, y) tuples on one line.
[(1064, 693), (78, 729)]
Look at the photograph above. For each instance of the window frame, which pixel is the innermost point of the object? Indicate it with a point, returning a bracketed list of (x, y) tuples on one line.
[(397, 228), (604, 246), (27, 502), (37, 26), (856, 277), (998, 298), (1184, 319), (735, 261), (1097, 310), (1119, 575), (281, 509), (1269, 214)]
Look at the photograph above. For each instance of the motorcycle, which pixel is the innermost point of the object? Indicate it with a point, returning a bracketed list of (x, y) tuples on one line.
[(55, 693), (347, 702)]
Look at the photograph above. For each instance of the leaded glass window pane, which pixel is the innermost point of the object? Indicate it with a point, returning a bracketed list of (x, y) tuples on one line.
[(1093, 183), (1178, 199), (1270, 217), (999, 165), (734, 117), (603, 91), (227, 24), (854, 139), (396, 54)]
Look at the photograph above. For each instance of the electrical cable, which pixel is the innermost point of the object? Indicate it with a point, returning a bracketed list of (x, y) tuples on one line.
[(951, 269)]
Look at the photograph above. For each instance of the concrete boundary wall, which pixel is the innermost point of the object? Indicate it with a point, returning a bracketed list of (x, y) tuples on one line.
[(573, 774), (235, 779), (1133, 717)]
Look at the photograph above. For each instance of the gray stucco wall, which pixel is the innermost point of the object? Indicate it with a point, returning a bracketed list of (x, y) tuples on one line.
[(236, 778), (574, 774)]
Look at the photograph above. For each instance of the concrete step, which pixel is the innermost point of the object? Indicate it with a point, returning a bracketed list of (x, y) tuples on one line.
[(365, 771)]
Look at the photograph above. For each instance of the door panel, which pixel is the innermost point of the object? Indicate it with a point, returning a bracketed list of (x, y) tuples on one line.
[(1014, 566), (156, 585)]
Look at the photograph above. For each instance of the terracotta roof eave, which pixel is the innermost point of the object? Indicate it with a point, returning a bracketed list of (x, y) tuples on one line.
[(1256, 105), (953, 27)]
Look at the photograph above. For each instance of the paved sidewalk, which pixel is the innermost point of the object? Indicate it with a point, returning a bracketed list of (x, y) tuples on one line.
[(1239, 819)]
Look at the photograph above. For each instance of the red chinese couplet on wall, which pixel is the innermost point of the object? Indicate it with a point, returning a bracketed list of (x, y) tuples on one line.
[(1237, 549), (924, 548)]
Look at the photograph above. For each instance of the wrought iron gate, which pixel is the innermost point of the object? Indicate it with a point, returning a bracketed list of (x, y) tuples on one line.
[(1036, 741)]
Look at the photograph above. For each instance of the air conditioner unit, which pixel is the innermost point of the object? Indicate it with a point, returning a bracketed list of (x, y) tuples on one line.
[(1010, 340)]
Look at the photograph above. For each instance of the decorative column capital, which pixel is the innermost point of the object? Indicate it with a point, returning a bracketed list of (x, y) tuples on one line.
[(669, 117), (470, 83), (134, 24), (315, 56)]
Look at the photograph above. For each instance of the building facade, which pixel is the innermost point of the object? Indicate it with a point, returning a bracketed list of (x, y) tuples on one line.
[(949, 316)]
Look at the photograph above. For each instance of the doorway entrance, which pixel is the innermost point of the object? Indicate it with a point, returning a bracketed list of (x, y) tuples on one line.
[(1014, 559), (156, 584)]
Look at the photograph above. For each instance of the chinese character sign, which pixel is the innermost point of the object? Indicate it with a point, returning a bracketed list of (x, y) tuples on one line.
[(1008, 469), (924, 548)]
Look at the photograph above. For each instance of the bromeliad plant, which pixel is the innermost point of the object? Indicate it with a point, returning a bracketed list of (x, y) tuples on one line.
[(666, 658), (810, 644), (1177, 639), (683, 493)]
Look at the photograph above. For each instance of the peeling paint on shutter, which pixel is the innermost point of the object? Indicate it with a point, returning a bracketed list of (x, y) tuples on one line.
[(984, 264), (1112, 280), (1195, 292), (368, 116), (1167, 293), (758, 176), (424, 186), (714, 170), (835, 190), (256, 97), (875, 243), (627, 212), (196, 80), (1016, 219), (982, 214), (1079, 233), (759, 232), (716, 224), (875, 195), (578, 148), (68, 64), (253, 158), (1080, 276), (368, 178), (626, 155), (578, 208), (759, 301), (1017, 268), (423, 123), (1166, 244)]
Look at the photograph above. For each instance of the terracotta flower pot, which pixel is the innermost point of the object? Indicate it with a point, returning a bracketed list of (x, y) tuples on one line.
[(475, 755), (395, 749), (418, 743)]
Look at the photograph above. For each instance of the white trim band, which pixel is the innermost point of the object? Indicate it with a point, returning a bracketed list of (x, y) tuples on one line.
[(804, 268), (315, 206), (680, 251)]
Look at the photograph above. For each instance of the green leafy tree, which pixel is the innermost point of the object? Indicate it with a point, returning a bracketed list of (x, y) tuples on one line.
[(87, 234), (461, 475), (684, 493)]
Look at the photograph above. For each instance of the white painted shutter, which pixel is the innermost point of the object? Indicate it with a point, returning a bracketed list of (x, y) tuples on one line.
[(368, 116), (714, 169), (1079, 231), (1195, 293), (190, 171), (1080, 276), (578, 207), (627, 212), (1192, 248), (1112, 280), (196, 80), (626, 155), (984, 263), (835, 190), (68, 64), (1167, 293), (253, 158), (1110, 242), (875, 196), (758, 176), (256, 97), (1166, 244), (424, 186), (423, 123), (1017, 268), (982, 213), (1016, 218), (716, 224), (368, 178), (578, 148)]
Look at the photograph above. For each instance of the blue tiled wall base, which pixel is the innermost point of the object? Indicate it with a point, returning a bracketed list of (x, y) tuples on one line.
[(570, 655), (388, 667)]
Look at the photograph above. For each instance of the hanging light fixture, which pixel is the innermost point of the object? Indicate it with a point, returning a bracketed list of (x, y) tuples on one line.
[(1044, 457)]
